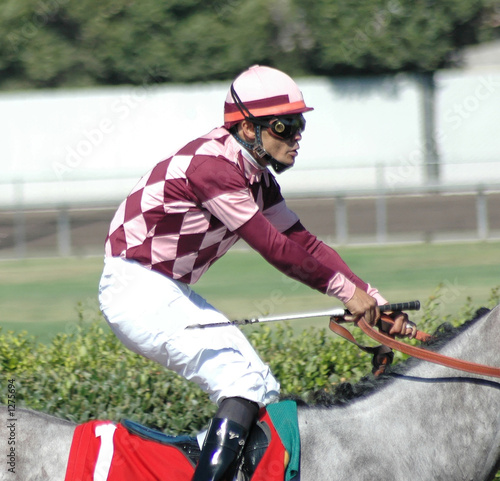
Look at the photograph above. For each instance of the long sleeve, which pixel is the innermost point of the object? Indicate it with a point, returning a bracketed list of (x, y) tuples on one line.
[(302, 257), (330, 257)]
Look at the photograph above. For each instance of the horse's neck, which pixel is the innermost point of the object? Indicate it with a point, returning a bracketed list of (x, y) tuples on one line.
[(423, 422), (478, 342)]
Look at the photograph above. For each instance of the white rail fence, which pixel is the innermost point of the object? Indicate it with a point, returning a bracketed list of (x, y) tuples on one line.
[(375, 215)]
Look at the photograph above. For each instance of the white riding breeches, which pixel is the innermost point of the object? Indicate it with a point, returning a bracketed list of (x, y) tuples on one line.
[(148, 312)]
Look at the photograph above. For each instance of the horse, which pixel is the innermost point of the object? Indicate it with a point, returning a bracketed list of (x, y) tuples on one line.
[(420, 421)]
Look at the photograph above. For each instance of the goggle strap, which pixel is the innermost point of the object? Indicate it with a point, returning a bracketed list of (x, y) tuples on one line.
[(241, 106), (248, 115)]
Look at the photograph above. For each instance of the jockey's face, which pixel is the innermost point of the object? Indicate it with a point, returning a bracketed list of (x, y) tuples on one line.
[(283, 150)]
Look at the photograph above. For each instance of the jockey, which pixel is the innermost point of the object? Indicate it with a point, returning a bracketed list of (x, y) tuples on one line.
[(186, 213)]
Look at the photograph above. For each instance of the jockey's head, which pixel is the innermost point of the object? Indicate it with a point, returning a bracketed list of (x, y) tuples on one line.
[(263, 110)]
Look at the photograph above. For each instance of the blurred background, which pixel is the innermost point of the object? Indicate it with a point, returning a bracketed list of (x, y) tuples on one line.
[(403, 144), (399, 170)]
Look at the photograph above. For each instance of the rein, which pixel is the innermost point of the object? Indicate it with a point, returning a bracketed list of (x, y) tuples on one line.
[(382, 359)]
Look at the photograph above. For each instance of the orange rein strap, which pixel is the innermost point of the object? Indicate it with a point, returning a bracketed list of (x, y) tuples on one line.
[(424, 354), (382, 356)]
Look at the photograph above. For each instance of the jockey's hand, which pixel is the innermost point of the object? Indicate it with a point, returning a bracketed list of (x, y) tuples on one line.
[(361, 305), (402, 326)]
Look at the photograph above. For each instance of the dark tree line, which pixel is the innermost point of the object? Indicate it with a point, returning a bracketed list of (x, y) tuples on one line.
[(73, 43)]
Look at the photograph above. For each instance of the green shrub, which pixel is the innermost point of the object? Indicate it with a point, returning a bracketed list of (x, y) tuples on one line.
[(88, 374)]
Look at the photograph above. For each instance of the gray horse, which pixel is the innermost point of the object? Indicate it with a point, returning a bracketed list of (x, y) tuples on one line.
[(422, 422)]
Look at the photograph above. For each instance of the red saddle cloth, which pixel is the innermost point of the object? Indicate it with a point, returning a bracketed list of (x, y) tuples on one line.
[(105, 451)]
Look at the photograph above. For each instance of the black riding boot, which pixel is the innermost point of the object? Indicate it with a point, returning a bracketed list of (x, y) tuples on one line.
[(225, 440)]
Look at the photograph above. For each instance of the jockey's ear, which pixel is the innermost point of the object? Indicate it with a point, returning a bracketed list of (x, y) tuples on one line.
[(246, 130)]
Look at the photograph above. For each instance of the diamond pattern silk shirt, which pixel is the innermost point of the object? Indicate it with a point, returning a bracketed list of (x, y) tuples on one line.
[(189, 210)]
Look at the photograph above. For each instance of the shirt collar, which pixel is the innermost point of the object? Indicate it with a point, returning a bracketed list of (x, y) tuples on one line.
[(253, 170)]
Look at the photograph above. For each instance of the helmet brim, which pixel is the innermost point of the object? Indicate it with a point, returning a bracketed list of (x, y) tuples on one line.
[(232, 118)]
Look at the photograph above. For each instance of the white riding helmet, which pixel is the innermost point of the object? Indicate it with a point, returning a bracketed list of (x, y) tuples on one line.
[(259, 94), (265, 92)]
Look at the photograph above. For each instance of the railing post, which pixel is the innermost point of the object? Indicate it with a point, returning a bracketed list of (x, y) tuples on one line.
[(63, 232), (20, 233), (341, 219), (381, 218), (482, 214), (19, 220)]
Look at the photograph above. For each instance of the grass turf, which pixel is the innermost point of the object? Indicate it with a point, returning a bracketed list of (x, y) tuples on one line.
[(45, 296)]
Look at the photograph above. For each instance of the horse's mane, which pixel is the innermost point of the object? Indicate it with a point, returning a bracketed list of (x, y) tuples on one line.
[(347, 392)]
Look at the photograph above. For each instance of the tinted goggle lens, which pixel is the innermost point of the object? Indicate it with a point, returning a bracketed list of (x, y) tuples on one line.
[(287, 127)]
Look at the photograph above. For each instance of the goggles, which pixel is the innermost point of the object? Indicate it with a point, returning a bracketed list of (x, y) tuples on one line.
[(286, 127)]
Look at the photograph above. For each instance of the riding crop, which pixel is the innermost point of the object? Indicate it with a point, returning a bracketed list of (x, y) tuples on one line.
[(336, 312), (381, 354)]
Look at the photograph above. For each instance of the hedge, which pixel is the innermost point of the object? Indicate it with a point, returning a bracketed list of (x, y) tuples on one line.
[(50, 44), (88, 374)]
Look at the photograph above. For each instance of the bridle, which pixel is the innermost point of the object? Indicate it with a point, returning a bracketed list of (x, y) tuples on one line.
[(383, 356)]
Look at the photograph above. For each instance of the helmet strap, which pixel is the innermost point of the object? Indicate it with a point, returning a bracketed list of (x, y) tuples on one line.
[(257, 148)]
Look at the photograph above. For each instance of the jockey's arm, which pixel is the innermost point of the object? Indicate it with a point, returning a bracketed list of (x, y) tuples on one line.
[(305, 259)]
